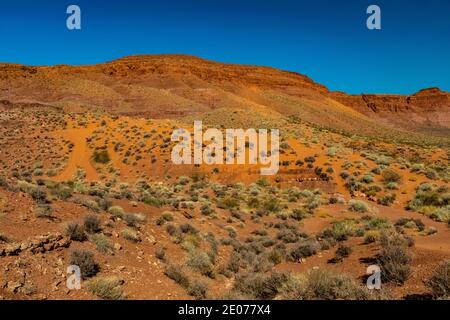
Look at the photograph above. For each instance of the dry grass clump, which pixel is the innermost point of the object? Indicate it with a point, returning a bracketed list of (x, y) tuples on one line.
[(439, 282), (394, 258), (108, 288)]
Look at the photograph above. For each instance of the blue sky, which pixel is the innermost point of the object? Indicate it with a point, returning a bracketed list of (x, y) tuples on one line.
[(326, 40)]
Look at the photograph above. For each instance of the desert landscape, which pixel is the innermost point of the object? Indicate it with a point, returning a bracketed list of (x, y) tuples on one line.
[(86, 179)]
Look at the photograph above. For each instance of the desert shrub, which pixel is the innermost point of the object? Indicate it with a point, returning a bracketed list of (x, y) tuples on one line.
[(171, 230), (131, 235), (107, 288), (262, 182), (228, 203), (92, 224), (206, 209), (277, 255), (231, 231), (3, 182), (234, 262), (38, 195), (343, 229), (344, 174), (432, 201), (429, 231), (304, 250), (392, 185), (439, 214), (272, 205), (165, 217), (341, 253), (331, 152), (198, 289), (260, 286), (376, 170), (323, 285), (133, 219), (370, 237), (183, 180), (153, 201), (76, 232), (431, 174), (387, 200), (374, 223), (44, 211), (101, 156), (367, 178), (299, 162), (288, 235), (201, 262), (177, 274), (358, 206), (410, 223), (352, 184), (84, 259), (310, 159), (102, 242), (160, 221), (298, 214), (104, 204), (394, 259), (439, 282), (390, 175), (188, 228), (116, 211)]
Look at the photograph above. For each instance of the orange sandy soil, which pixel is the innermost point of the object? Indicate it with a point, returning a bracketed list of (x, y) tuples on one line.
[(136, 263)]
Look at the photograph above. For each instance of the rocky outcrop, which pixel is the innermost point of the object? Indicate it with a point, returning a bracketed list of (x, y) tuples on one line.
[(180, 86), (40, 244)]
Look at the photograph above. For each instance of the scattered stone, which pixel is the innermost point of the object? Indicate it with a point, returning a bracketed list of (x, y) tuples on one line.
[(37, 245), (13, 286)]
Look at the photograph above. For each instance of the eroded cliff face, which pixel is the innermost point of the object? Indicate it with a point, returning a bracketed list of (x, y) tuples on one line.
[(174, 86), (426, 108)]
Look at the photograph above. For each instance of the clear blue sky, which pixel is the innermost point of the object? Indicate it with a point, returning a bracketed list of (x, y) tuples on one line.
[(326, 40)]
